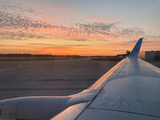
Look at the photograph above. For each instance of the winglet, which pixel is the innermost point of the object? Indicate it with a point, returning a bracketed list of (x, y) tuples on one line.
[(136, 49)]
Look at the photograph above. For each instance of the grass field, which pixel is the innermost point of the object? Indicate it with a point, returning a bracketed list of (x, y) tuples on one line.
[(34, 58)]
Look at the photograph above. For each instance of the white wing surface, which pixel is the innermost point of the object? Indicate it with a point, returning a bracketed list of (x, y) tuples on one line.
[(129, 91)]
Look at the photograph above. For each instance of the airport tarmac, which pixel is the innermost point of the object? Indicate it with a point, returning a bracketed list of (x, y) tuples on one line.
[(49, 77)]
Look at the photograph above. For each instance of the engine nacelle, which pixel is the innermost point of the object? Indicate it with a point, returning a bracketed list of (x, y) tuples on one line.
[(41, 108)]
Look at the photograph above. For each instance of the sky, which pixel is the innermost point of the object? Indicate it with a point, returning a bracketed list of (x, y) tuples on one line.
[(78, 27)]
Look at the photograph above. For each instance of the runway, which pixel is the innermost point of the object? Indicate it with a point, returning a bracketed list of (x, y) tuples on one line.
[(49, 77)]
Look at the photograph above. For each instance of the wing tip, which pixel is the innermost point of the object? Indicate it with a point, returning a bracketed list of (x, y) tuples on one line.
[(141, 39), (136, 49)]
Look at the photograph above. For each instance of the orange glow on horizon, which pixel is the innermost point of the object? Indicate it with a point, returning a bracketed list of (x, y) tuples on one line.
[(111, 49)]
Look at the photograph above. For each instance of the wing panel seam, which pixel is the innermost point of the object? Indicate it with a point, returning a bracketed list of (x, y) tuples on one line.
[(126, 112)]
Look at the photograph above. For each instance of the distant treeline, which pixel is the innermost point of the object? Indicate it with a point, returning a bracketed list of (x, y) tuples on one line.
[(47, 55), (24, 57), (35, 55)]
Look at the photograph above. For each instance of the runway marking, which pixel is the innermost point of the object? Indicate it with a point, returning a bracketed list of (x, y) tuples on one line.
[(11, 68)]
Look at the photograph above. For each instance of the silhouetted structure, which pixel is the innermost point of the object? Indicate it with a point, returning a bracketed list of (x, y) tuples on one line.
[(152, 55), (127, 52)]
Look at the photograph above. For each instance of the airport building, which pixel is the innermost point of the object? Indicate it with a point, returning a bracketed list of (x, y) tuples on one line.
[(152, 55)]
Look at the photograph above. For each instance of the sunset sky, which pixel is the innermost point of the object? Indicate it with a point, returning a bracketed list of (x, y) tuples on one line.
[(78, 27)]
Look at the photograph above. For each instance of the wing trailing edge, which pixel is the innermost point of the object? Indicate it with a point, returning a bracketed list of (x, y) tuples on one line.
[(136, 49)]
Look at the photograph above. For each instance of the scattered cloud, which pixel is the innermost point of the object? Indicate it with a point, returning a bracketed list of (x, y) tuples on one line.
[(129, 32), (96, 26), (79, 39), (7, 6), (79, 32), (19, 35), (39, 44), (144, 41), (148, 41), (16, 26), (153, 37), (79, 45), (54, 45), (102, 40)]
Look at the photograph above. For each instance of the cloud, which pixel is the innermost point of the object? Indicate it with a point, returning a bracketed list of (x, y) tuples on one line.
[(19, 35), (148, 41), (39, 44), (79, 45), (54, 45), (13, 21), (96, 28), (102, 39), (144, 41), (7, 6), (79, 39), (58, 48), (78, 32), (95, 25), (129, 32), (153, 37), (16, 26)]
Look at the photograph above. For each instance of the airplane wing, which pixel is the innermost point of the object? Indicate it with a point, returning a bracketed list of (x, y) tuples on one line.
[(129, 91)]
